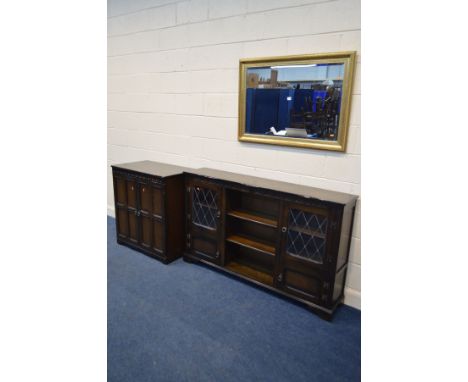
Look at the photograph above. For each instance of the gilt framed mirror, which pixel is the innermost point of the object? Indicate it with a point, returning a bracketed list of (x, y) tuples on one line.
[(301, 101)]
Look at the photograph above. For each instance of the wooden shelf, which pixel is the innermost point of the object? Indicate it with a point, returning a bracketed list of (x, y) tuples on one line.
[(252, 244), (206, 205), (307, 231), (250, 273), (255, 218)]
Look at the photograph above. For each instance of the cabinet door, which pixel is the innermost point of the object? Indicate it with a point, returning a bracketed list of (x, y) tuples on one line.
[(150, 214), (126, 207), (120, 197), (204, 220), (302, 261)]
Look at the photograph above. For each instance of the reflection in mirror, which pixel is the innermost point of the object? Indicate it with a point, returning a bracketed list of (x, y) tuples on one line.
[(302, 101)]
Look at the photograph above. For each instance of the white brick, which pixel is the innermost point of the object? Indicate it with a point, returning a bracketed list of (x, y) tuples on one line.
[(133, 43), (313, 19), (343, 167), (189, 104), (117, 137), (321, 43), (264, 5), (357, 225), (309, 163), (214, 57), (119, 7), (217, 150), (264, 48), (353, 276), (355, 251), (355, 113), (212, 127), (221, 105), (139, 83), (159, 103), (192, 11), (175, 82), (357, 79), (354, 140), (257, 155), (223, 8), (148, 19), (214, 81), (207, 33), (174, 38), (182, 13), (351, 41)]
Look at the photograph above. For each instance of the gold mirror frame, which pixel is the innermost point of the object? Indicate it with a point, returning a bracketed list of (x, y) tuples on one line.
[(347, 58)]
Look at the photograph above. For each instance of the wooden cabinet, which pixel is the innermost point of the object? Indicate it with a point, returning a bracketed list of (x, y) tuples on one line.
[(288, 238), (204, 211), (149, 208), (305, 252)]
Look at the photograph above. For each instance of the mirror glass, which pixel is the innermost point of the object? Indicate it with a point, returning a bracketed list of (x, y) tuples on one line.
[(294, 100), (303, 101)]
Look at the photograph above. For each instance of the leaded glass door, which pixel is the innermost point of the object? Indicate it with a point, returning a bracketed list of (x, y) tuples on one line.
[(303, 255), (204, 219)]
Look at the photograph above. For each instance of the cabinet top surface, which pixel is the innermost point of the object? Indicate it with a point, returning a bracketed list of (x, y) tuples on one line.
[(152, 168), (164, 170), (291, 188)]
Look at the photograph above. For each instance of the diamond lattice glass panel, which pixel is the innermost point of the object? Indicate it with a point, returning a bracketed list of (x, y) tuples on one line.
[(306, 235), (204, 207)]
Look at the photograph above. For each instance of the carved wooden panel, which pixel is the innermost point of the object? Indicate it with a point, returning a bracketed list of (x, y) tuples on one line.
[(146, 231), (122, 219), (121, 193), (145, 198), (158, 235), (131, 194), (157, 201), (133, 227), (302, 285)]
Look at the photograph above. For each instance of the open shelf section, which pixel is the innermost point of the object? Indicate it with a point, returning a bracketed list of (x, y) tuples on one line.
[(252, 244), (253, 217), (250, 273)]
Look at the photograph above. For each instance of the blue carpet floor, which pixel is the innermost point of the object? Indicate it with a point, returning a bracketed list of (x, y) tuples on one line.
[(186, 322)]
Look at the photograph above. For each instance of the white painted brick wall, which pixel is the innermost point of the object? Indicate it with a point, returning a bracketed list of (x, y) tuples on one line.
[(173, 88)]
